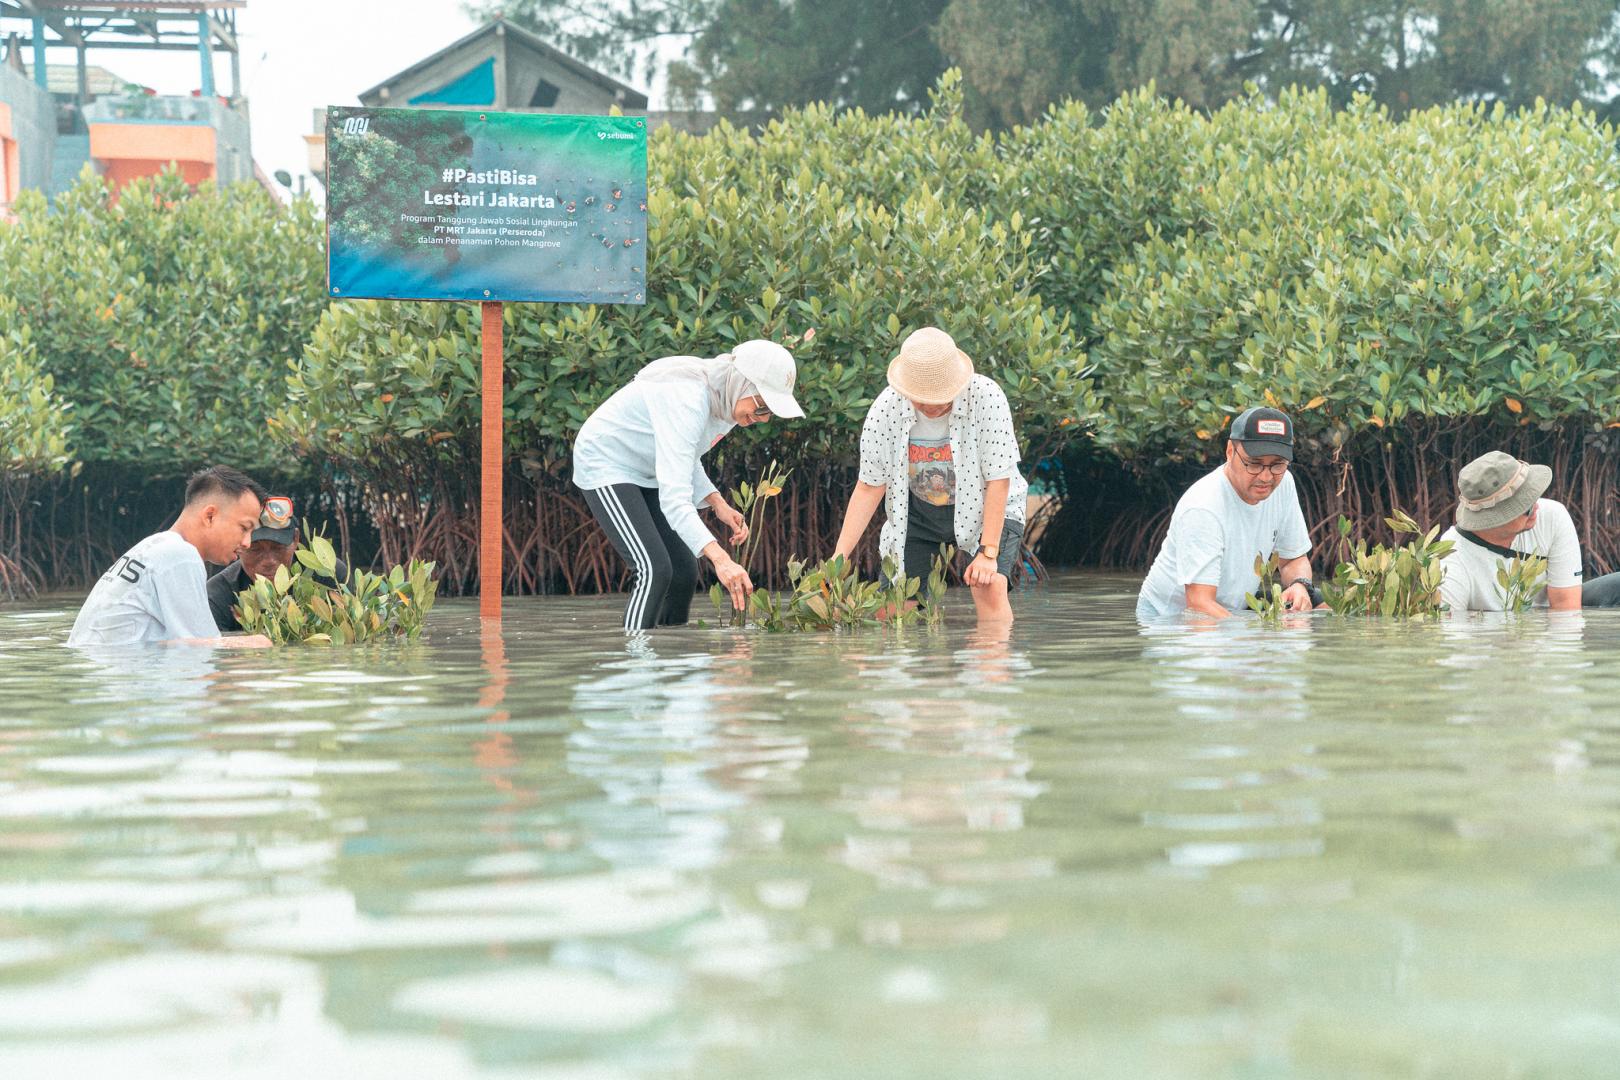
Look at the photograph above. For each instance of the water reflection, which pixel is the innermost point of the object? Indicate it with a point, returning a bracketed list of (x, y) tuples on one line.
[(1074, 847)]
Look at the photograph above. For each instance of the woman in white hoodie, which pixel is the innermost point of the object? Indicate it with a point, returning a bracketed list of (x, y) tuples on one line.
[(638, 459)]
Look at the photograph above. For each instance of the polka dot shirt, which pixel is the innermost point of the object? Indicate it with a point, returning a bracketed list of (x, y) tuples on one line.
[(983, 444)]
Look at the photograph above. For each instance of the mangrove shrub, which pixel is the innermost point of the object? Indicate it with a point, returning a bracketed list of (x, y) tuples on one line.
[(165, 317), (34, 447), (1414, 293)]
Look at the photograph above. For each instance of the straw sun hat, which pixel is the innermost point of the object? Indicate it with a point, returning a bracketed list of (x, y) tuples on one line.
[(930, 369)]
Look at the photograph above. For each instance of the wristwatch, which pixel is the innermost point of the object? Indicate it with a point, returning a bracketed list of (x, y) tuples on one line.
[(991, 550), (1310, 588)]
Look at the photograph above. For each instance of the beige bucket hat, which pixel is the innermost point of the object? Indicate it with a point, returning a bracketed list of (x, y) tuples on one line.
[(1495, 488), (930, 369)]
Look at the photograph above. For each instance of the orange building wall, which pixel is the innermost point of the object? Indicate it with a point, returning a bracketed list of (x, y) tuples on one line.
[(129, 151), (10, 166)]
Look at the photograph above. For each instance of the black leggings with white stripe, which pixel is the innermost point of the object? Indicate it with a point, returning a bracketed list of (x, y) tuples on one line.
[(665, 571)]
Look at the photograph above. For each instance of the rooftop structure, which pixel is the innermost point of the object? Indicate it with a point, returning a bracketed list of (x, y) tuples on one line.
[(499, 66), (82, 115), (502, 66)]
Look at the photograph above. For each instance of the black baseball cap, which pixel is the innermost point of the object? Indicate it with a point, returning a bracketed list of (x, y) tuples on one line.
[(276, 521), (1264, 431)]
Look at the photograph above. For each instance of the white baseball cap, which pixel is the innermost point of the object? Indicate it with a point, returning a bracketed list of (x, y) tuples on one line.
[(770, 368)]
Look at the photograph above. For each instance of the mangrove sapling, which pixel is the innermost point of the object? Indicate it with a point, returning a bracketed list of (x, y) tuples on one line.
[(295, 606), (831, 596), (1401, 582), (1267, 599), (1521, 581), (749, 501)]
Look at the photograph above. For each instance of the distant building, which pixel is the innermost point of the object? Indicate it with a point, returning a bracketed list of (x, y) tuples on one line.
[(507, 68), (27, 132), (500, 66), (504, 67), (57, 118)]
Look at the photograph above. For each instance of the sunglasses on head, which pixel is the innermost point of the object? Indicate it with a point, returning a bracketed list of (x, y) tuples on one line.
[(277, 512)]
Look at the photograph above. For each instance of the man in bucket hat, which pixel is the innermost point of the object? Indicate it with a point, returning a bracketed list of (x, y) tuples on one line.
[(1501, 515), (1246, 509)]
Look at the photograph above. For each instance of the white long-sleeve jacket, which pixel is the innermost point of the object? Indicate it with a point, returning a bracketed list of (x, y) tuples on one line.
[(654, 435)]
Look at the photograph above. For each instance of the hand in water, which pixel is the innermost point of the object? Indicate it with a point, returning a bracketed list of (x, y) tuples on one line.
[(734, 579)]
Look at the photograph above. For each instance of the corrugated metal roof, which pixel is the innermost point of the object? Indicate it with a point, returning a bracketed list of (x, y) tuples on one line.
[(64, 79)]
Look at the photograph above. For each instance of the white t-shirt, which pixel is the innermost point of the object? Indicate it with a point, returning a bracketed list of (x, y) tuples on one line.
[(156, 592), (1214, 538), (1470, 570)]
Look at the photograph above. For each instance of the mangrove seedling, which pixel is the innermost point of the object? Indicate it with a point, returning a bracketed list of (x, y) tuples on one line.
[(749, 500), (1401, 582), (296, 607), (1267, 599), (829, 596), (1521, 581)]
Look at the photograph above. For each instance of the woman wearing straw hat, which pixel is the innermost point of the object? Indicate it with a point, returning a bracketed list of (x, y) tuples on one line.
[(939, 451), (638, 459)]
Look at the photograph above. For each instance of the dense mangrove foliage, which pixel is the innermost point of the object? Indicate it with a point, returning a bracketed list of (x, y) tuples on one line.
[(165, 320), (1414, 291)]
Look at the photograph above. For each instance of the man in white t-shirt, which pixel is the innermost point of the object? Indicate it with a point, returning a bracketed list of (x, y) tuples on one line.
[(158, 590), (1246, 509), (1501, 515)]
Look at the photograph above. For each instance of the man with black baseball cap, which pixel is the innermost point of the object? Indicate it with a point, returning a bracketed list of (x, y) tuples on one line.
[(1246, 509), (273, 543)]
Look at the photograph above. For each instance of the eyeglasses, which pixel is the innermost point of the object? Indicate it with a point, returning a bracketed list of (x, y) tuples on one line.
[(1255, 468), (277, 512), (764, 410)]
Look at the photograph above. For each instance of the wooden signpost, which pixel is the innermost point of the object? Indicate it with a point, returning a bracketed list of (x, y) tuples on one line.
[(496, 208), (491, 513)]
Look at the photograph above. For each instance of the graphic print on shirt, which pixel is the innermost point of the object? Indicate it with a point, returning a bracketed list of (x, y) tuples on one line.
[(128, 569), (932, 472)]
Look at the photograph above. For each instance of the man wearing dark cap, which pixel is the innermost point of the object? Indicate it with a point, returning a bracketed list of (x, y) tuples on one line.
[(1246, 509), (273, 543), (1501, 515)]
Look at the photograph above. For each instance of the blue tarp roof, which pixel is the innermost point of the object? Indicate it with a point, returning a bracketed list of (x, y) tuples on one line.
[(476, 87)]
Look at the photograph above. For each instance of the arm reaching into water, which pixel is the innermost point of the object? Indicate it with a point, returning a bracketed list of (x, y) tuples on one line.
[(863, 503), (243, 641), (982, 570), (728, 516), (1201, 599)]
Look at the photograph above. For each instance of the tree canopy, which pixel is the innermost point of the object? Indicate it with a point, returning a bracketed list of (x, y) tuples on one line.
[(1019, 56)]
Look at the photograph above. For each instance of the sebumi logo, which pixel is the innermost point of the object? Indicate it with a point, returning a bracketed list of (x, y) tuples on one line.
[(357, 125), (614, 135)]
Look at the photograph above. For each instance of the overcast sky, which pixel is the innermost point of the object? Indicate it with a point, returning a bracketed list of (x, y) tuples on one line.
[(300, 55)]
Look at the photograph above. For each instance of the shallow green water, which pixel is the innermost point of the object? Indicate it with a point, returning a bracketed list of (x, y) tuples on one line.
[(1326, 850)]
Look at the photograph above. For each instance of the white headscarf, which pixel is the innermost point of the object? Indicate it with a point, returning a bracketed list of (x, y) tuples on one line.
[(726, 384)]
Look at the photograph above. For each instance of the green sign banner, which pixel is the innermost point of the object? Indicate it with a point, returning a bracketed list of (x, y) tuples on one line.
[(454, 204)]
